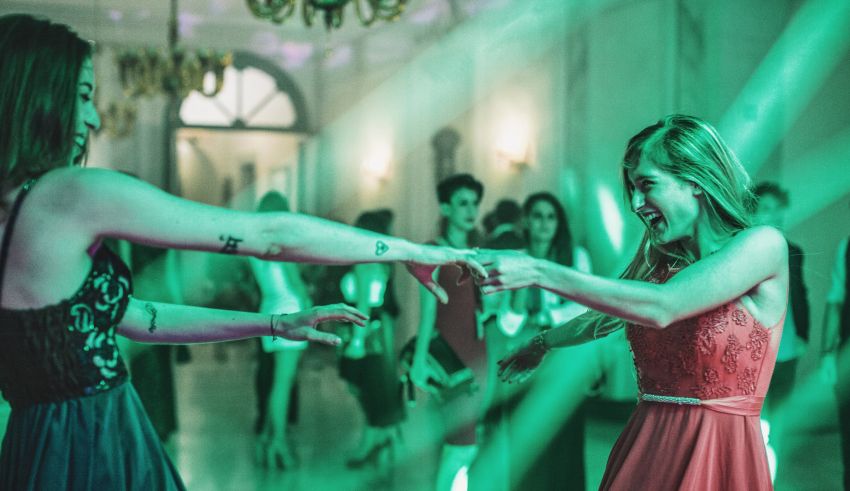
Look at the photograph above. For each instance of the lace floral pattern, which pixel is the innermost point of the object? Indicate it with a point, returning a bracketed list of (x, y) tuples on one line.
[(67, 349), (718, 354)]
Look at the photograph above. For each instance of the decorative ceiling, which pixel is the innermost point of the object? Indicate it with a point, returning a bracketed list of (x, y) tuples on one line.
[(228, 24)]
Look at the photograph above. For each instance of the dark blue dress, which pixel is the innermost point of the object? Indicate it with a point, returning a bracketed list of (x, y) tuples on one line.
[(76, 423)]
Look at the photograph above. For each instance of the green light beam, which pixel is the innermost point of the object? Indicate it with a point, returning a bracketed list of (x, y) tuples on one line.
[(786, 80), (819, 178)]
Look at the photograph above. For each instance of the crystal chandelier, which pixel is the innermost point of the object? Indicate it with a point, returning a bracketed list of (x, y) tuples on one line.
[(368, 11), (175, 73)]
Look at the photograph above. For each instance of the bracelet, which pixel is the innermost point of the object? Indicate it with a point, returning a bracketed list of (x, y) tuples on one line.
[(271, 327), (539, 344)]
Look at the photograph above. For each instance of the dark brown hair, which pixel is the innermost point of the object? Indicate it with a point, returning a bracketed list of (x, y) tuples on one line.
[(39, 73)]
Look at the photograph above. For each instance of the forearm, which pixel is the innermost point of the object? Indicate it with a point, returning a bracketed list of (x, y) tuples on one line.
[(164, 323), (427, 317), (304, 238), (831, 321), (582, 329), (639, 302)]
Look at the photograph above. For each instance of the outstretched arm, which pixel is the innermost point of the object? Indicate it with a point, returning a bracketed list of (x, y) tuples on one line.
[(111, 204), (521, 362), (749, 259), (164, 323)]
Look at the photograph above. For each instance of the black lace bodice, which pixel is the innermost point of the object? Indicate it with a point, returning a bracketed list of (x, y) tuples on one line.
[(67, 349)]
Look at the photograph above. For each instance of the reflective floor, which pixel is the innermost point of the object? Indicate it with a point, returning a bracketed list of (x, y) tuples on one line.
[(213, 448)]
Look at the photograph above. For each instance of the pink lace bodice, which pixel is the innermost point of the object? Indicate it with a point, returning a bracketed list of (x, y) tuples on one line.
[(721, 353)]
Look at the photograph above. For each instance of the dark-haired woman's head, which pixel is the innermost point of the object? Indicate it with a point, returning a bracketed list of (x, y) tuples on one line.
[(46, 91), (546, 223), (379, 220), (273, 201)]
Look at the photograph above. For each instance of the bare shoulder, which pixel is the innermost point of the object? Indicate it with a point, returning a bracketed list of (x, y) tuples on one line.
[(762, 242)]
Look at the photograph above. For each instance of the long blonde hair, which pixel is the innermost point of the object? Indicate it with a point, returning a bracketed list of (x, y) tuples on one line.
[(691, 150)]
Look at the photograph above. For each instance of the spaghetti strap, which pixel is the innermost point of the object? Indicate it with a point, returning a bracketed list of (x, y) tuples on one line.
[(10, 224)]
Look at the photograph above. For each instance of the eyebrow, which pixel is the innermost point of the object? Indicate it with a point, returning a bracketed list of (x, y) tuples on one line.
[(90, 86)]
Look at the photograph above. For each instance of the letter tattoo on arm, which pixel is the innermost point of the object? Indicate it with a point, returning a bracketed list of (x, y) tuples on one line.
[(152, 311), (381, 248), (231, 244)]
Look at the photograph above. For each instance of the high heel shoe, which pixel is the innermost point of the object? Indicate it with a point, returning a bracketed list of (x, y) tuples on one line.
[(372, 457)]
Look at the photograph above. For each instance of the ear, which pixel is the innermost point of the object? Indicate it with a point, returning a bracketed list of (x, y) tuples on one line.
[(445, 209)]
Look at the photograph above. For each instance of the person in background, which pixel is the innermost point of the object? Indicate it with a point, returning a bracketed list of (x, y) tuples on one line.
[(368, 361), (835, 358), (771, 207), (457, 322), (281, 290), (529, 312)]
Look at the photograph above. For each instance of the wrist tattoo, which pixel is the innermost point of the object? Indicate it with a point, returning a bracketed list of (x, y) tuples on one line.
[(231, 244), (149, 308), (381, 248)]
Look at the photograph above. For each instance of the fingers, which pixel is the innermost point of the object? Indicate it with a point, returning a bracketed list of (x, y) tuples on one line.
[(323, 337), (341, 312), (475, 267), (433, 287)]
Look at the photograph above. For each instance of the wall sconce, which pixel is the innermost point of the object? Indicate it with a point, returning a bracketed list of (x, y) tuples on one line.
[(377, 162), (513, 144)]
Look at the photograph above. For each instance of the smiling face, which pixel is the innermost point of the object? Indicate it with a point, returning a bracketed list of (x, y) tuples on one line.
[(87, 118), (542, 222), (667, 205), (461, 211)]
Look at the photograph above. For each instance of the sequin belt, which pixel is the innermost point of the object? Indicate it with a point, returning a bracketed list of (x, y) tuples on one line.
[(739, 405)]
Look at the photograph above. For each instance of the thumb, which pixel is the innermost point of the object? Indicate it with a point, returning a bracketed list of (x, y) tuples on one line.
[(437, 290)]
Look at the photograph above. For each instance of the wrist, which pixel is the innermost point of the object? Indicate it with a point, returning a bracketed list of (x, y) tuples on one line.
[(540, 345)]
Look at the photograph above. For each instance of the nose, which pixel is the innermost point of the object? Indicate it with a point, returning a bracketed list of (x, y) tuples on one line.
[(93, 121), (637, 200)]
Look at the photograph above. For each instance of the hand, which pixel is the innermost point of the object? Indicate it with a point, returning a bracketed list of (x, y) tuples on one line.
[(521, 363), (419, 374), (828, 369), (301, 325), (273, 452), (507, 270), (431, 257)]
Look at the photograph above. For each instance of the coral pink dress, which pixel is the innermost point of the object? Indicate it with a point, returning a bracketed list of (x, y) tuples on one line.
[(696, 427)]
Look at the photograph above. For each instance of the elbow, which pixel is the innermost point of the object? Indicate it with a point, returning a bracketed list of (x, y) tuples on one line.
[(661, 316)]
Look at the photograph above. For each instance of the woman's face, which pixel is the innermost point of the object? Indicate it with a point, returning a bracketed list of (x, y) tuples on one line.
[(542, 222), (462, 209), (667, 205), (87, 117)]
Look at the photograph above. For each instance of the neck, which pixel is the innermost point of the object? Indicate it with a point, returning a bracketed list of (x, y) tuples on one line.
[(539, 248), (706, 240), (456, 237)]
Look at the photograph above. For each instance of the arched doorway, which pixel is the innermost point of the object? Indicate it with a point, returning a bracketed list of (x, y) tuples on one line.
[(246, 140)]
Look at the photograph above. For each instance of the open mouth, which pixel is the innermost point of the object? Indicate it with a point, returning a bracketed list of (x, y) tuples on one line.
[(652, 219)]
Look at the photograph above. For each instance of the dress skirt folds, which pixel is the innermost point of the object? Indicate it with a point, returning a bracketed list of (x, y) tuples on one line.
[(99, 442), (678, 447)]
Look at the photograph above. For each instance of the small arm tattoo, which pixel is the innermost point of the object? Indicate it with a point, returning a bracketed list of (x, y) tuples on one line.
[(152, 311), (381, 248), (231, 244)]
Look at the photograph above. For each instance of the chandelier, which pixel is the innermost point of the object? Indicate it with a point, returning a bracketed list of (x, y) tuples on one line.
[(368, 11), (175, 72)]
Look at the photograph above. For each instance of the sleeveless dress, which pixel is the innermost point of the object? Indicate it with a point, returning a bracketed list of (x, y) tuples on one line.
[(76, 423), (697, 427)]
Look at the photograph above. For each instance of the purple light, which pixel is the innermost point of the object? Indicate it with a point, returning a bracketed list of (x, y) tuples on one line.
[(115, 15)]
